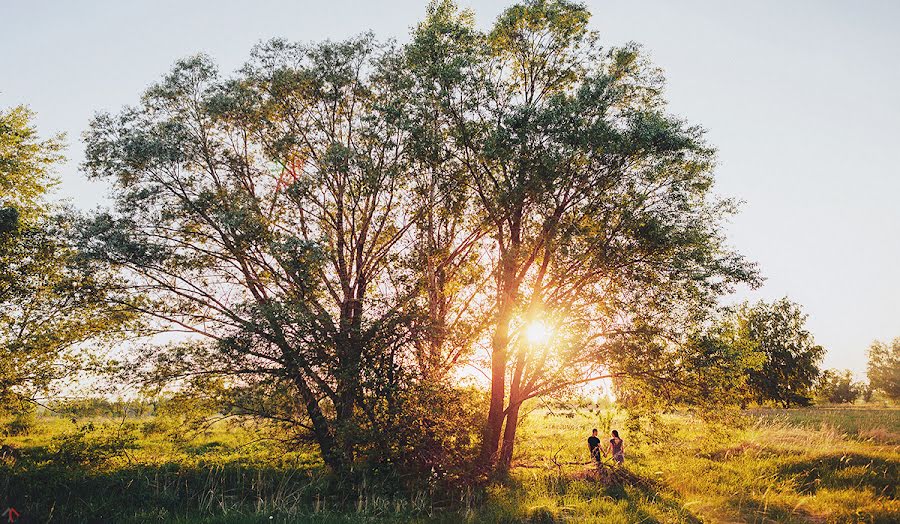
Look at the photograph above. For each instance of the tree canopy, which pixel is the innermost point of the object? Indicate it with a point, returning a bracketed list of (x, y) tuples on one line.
[(838, 387), (597, 202), (790, 356), (340, 226)]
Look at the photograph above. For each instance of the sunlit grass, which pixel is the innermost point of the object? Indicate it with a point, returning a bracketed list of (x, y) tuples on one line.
[(804, 465)]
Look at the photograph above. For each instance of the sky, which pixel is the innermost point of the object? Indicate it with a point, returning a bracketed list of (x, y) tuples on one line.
[(801, 99)]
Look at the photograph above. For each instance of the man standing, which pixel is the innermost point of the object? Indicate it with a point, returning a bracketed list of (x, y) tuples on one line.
[(594, 445)]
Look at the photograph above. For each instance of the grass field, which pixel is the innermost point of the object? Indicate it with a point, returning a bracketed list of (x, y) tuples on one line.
[(800, 465)]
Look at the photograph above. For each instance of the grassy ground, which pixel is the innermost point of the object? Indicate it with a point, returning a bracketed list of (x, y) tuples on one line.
[(799, 465)]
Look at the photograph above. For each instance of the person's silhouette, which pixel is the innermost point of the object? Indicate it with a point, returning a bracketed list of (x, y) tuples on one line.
[(594, 445)]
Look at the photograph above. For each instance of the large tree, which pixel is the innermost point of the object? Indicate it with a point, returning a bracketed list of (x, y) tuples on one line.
[(343, 222), (597, 202), (267, 214), (50, 303)]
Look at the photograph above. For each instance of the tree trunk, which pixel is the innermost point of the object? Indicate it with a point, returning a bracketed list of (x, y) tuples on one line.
[(494, 425), (508, 289), (349, 359), (322, 430), (347, 392), (499, 345), (509, 440)]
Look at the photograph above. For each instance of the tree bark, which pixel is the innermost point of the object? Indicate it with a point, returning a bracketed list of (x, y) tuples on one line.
[(349, 357), (322, 430), (499, 346), (509, 439), (494, 425)]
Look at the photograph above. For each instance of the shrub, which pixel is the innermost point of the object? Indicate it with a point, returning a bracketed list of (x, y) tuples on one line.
[(433, 434), (21, 424), (90, 446)]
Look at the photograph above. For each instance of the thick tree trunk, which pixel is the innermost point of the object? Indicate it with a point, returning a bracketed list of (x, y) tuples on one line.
[(322, 430), (509, 439), (349, 358), (508, 289), (499, 347), (494, 425), (349, 353)]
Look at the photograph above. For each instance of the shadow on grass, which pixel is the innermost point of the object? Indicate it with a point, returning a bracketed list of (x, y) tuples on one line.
[(205, 493), (651, 490), (57, 493), (750, 449), (628, 497), (845, 471), (234, 492), (853, 473), (756, 510)]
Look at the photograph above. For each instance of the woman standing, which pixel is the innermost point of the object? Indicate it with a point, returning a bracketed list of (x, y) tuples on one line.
[(617, 447)]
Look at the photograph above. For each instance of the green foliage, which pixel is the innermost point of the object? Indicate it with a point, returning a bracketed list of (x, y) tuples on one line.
[(91, 446), (50, 303), (95, 407), (21, 424), (713, 377), (433, 433), (791, 358), (838, 387), (597, 201), (26, 164), (275, 249), (884, 368)]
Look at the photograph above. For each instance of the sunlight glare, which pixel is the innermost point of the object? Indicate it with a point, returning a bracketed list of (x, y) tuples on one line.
[(537, 332)]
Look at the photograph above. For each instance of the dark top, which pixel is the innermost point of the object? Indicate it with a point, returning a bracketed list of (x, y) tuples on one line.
[(616, 445), (593, 443)]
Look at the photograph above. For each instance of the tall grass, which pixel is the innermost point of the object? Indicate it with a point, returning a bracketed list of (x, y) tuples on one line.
[(809, 465)]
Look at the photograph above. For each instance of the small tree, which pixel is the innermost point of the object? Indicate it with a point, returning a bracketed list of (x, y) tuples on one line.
[(791, 356), (838, 387), (884, 368)]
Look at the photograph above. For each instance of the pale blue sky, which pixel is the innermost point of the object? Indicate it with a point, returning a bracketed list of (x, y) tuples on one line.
[(802, 99)]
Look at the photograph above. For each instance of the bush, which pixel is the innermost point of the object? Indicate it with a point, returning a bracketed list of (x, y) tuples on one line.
[(542, 515), (432, 434), (21, 424), (97, 407), (90, 446)]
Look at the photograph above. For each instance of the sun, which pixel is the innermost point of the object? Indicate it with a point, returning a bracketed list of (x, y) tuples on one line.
[(537, 332)]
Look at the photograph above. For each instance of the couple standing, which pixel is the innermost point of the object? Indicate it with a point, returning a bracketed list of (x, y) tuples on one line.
[(616, 447)]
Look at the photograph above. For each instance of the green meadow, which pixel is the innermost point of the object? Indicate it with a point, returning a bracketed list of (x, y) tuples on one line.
[(817, 464)]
